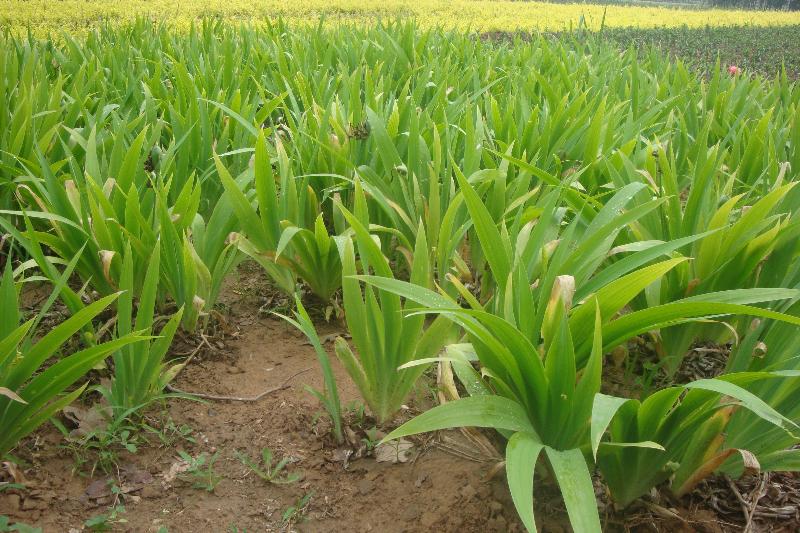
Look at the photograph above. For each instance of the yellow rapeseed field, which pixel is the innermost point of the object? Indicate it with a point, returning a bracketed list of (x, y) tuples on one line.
[(485, 15)]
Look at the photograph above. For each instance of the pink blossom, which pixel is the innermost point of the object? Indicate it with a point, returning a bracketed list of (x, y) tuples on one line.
[(733, 70)]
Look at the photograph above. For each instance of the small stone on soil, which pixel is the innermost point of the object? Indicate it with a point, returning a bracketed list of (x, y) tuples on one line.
[(14, 501), (365, 486), (429, 519), (410, 513), (234, 370), (30, 504), (468, 492), (150, 492)]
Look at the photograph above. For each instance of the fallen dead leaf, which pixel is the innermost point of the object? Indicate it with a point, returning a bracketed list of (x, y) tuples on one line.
[(87, 421), (178, 467), (8, 393), (342, 455), (98, 492), (15, 472), (396, 451)]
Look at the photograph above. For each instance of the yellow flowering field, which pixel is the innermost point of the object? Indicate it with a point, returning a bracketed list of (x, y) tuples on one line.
[(487, 15)]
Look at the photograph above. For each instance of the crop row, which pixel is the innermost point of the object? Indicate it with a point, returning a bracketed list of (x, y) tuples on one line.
[(766, 50)]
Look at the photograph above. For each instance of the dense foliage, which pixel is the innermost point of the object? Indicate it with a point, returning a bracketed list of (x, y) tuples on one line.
[(559, 206)]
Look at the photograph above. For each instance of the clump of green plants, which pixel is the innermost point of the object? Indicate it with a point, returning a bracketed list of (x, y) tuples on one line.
[(267, 470), (140, 374), (31, 393), (540, 385), (384, 338), (274, 227), (104, 199), (100, 444)]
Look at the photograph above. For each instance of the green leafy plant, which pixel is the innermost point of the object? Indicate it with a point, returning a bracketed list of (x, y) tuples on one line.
[(533, 391), (296, 512), (140, 374), (183, 273), (541, 403), (273, 226), (131, 213), (329, 397), (19, 527), (768, 347), (108, 520), (100, 444), (739, 247), (690, 422), (169, 433), (546, 409), (358, 412), (315, 257), (29, 394), (88, 208), (266, 470), (371, 439), (200, 470), (383, 339)]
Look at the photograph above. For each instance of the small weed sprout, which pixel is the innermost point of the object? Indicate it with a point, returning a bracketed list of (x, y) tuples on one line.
[(297, 511), (20, 527), (269, 472), (200, 470), (107, 520)]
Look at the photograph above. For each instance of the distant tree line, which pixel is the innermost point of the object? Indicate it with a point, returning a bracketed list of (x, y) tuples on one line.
[(789, 5), (778, 5)]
